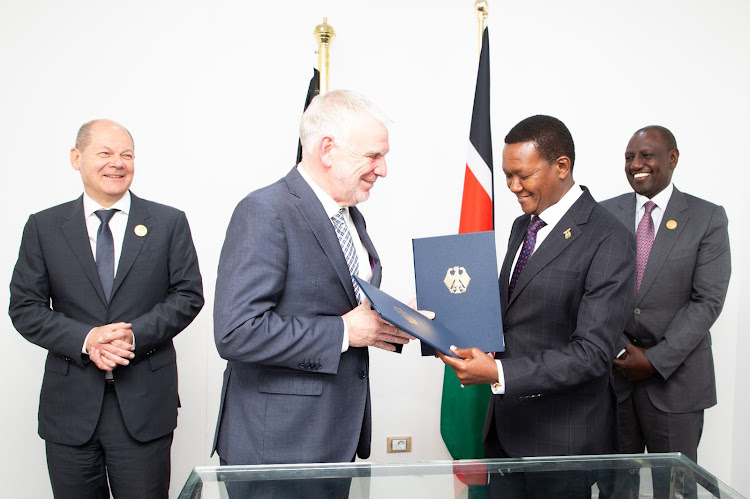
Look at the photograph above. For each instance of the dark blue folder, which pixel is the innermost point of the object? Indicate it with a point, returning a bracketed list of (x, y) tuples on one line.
[(400, 315), (457, 278)]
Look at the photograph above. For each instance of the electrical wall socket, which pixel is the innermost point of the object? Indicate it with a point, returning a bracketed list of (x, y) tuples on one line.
[(398, 444)]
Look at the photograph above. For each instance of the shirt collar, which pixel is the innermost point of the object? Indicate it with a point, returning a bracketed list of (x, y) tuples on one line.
[(660, 199), (554, 213), (90, 206), (329, 205)]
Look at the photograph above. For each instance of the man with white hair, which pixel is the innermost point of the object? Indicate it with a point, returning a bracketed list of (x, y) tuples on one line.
[(288, 316)]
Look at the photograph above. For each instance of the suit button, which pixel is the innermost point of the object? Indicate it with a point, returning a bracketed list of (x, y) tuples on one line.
[(637, 311), (505, 328), (362, 375), (301, 365)]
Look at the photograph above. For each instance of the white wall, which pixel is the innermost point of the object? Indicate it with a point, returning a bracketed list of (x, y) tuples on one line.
[(212, 92)]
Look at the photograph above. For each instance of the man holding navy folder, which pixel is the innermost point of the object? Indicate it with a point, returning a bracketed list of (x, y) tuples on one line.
[(566, 286)]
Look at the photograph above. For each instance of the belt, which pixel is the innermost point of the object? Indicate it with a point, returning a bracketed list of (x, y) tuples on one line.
[(109, 384)]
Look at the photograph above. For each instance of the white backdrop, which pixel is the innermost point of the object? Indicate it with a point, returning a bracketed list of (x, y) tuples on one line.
[(213, 90)]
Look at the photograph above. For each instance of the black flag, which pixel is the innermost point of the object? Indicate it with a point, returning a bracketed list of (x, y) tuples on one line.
[(312, 91)]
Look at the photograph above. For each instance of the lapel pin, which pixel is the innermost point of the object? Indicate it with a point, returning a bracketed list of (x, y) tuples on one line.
[(140, 230), (567, 233), (672, 224)]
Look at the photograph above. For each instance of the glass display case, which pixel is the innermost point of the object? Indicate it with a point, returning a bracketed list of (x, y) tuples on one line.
[(612, 476)]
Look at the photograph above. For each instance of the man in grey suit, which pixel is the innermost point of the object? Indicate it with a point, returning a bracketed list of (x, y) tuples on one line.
[(287, 314), (104, 283), (566, 287), (665, 376)]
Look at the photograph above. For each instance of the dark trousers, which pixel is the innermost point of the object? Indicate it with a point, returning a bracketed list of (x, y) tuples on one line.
[(136, 470), (572, 484), (642, 427), (309, 488)]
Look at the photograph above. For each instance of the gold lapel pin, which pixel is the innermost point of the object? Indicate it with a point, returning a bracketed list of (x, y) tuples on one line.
[(567, 233), (672, 224), (140, 230)]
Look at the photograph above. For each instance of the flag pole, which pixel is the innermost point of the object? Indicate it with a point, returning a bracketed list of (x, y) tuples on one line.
[(324, 33), (481, 6)]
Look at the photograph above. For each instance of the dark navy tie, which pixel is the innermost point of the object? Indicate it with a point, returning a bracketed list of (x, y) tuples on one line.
[(105, 251), (528, 248)]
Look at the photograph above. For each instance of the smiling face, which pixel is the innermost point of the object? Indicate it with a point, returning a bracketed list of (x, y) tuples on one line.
[(649, 162), (106, 162), (537, 184), (356, 163)]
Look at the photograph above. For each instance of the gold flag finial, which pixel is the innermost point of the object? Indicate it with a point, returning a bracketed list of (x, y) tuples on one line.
[(324, 34), (482, 11)]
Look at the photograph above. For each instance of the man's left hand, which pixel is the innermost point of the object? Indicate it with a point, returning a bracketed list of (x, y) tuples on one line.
[(635, 366), (474, 367)]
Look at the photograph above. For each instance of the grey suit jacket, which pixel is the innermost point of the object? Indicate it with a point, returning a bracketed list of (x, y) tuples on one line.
[(681, 295), (56, 298), (289, 394), (561, 326)]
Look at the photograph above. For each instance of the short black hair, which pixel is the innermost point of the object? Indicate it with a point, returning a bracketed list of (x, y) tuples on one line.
[(666, 135), (550, 136)]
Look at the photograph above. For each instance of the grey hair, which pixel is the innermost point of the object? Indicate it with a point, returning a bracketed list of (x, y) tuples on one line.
[(332, 115)]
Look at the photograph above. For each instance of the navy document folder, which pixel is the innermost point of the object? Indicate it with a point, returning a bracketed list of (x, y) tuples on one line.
[(400, 315), (457, 278)]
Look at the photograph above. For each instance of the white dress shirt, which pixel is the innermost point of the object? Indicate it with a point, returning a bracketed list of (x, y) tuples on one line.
[(660, 200), (551, 216), (331, 207)]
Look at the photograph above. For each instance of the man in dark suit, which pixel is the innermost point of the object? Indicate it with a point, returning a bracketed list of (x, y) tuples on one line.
[(104, 283), (566, 287), (287, 316), (665, 376)]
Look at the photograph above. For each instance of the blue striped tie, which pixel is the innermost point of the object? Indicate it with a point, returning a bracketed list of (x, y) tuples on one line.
[(347, 246)]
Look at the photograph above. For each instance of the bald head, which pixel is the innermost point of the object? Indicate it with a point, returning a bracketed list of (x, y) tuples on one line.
[(83, 139)]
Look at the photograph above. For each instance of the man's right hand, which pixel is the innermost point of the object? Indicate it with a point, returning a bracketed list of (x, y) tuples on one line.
[(367, 329), (110, 345)]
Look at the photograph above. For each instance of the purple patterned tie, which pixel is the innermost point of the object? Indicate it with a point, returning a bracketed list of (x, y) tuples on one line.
[(644, 239), (528, 248)]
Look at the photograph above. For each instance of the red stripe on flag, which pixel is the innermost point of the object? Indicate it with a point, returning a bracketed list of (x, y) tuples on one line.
[(476, 206)]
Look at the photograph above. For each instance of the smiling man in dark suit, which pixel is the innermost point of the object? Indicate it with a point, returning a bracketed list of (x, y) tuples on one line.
[(566, 286), (104, 283), (665, 377), (288, 317)]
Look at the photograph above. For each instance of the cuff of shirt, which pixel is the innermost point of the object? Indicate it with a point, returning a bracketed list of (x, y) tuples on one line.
[(345, 343), (499, 387), (83, 348)]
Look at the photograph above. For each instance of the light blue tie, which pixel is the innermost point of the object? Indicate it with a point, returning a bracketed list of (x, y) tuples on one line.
[(347, 246)]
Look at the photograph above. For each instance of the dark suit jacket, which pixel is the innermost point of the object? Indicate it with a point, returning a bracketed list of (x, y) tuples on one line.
[(57, 298), (289, 394), (561, 325), (681, 295)]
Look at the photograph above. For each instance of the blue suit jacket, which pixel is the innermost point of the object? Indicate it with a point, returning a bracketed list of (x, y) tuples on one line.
[(561, 326), (57, 298), (289, 394)]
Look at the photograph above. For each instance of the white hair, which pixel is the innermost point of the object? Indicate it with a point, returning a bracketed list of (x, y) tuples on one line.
[(332, 115)]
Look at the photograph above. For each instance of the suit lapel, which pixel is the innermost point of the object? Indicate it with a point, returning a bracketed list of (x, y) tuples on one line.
[(555, 242), (677, 210), (132, 243), (626, 213), (73, 227), (374, 260), (313, 213)]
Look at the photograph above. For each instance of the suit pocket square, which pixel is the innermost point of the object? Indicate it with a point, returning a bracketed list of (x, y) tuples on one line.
[(291, 383)]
